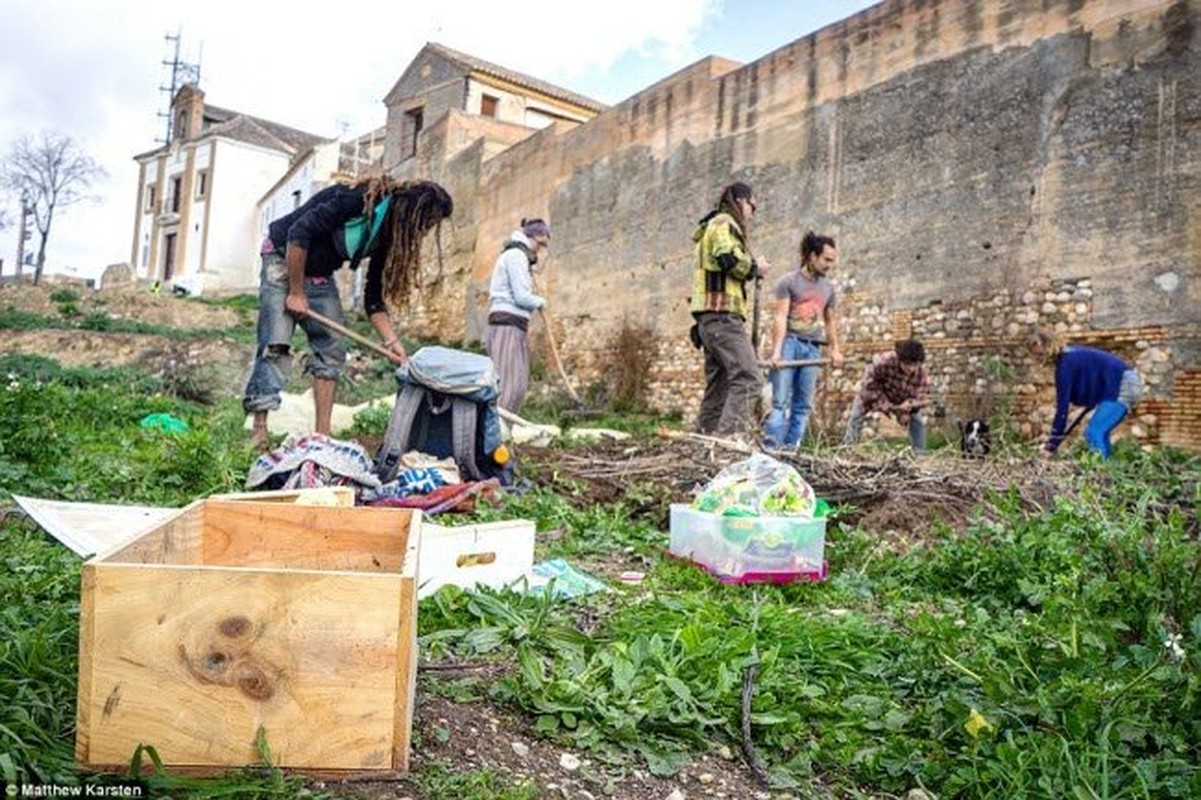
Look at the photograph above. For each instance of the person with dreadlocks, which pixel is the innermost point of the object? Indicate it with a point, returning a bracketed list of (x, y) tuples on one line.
[(375, 218), (723, 267)]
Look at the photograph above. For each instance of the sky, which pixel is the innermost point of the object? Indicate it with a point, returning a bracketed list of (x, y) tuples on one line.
[(93, 71)]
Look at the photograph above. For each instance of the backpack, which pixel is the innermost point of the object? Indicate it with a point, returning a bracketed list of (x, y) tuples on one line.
[(445, 406)]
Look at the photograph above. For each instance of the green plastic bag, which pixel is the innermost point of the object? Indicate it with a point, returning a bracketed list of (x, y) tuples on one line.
[(165, 423)]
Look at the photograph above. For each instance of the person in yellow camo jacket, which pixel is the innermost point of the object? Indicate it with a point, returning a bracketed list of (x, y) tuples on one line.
[(719, 303)]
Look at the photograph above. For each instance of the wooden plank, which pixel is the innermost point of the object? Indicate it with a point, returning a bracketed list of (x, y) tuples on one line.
[(305, 537), (406, 672), (192, 660), (342, 495), (87, 635), (176, 540), (88, 528)]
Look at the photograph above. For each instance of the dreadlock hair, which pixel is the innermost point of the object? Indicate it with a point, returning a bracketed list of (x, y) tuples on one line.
[(417, 207)]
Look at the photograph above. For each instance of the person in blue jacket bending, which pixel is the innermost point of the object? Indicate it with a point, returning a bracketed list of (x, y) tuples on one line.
[(1091, 379)]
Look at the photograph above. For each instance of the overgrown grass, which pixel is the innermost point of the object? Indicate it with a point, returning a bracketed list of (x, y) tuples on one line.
[(1021, 657), (74, 434), (71, 318)]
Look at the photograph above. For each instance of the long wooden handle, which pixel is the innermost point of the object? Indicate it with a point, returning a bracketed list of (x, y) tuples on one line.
[(757, 313), (554, 352), (352, 335), (810, 362)]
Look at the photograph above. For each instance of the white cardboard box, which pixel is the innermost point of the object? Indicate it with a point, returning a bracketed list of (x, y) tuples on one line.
[(493, 554)]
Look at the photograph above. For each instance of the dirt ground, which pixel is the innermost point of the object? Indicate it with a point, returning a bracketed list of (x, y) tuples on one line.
[(479, 736), (129, 302)]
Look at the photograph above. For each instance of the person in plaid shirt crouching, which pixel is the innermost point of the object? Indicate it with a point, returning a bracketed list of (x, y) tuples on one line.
[(897, 384)]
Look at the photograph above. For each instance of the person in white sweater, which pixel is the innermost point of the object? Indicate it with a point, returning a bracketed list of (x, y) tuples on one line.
[(511, 303)]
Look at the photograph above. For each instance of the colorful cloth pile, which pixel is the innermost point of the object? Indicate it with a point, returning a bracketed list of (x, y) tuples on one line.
[(311, 461)]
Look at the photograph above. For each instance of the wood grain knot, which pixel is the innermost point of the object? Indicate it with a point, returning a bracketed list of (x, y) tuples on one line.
[(234, 627), (114, 700), (216, 661), (254, 682)]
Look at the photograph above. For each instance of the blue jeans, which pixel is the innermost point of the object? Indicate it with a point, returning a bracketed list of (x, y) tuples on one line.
[(792, 390), (273, 357), (1110, 412), (916, 425)]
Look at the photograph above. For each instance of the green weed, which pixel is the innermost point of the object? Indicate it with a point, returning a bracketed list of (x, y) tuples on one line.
[(64, 296), (439, 780)]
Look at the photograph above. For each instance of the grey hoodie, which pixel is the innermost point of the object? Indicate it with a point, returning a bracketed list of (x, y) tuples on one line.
[(512, 288)]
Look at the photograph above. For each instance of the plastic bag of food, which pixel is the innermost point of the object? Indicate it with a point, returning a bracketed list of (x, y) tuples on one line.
[(758, 486)]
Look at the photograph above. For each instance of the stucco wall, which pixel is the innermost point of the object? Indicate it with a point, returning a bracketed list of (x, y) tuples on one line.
[(239, 177), (959, 151)]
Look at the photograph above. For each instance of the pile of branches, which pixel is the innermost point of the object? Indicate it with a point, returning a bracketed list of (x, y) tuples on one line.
[(674, 466)]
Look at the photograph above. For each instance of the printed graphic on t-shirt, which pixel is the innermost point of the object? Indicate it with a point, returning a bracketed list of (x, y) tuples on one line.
[(806, 309), (807, 303)]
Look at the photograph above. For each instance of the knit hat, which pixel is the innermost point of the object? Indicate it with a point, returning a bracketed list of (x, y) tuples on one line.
[(535, 227)]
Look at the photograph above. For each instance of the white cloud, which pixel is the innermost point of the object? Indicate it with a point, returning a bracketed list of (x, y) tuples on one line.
[(92, 71)]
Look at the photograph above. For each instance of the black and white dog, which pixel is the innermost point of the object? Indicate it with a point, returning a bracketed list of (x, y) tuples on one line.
[(975, 439)]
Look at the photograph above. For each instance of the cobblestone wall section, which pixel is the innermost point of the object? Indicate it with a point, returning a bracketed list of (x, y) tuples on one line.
[(979, 365)]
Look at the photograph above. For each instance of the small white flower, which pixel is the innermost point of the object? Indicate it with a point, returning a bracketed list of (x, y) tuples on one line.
[(1172, 645)]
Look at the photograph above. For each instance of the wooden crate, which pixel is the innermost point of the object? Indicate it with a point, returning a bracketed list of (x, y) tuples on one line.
[(236, 615)]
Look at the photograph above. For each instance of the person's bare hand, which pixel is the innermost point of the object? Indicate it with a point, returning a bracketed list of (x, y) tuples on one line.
[(763, 266), (297, 305), (836, 358), (397, 354)]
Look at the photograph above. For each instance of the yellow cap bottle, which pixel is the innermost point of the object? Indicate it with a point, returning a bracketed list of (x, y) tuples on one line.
[(501, 455)]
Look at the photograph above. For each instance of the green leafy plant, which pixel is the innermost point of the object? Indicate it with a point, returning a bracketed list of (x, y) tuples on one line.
[(64, 296)]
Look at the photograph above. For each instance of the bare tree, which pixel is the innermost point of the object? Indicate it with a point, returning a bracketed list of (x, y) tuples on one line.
[(47, 174)]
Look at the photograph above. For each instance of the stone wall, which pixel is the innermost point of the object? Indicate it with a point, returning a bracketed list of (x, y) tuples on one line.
[(985, 167)]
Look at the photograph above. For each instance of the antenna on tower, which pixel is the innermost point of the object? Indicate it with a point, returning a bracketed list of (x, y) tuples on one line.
[(181, 73)]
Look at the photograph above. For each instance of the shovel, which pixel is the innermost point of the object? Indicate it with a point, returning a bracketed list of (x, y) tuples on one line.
[(554, 354)]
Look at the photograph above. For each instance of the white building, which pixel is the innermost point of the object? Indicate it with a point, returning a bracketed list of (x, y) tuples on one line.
[(197, 195), (206, 198), (316, 169)]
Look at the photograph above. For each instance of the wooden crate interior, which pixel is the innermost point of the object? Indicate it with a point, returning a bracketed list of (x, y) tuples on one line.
[(275, 534)]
